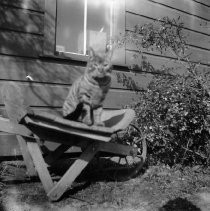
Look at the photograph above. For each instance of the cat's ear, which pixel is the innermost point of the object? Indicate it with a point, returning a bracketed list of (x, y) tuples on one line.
[(91, 53)]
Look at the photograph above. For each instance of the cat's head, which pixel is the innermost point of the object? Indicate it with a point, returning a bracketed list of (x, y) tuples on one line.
[(99, 64)]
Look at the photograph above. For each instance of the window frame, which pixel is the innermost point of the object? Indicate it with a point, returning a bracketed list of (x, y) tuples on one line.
[(50, 21)]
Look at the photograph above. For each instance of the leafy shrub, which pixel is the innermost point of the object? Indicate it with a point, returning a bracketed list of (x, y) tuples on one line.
[(173, 114), (173, 111)]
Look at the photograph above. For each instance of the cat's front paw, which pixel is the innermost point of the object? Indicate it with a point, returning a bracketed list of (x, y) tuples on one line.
[(87, 122)]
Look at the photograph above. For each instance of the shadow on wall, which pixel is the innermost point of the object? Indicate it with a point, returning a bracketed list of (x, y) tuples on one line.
[(22, 36), (179, 204), (50, 80), (20, 31)]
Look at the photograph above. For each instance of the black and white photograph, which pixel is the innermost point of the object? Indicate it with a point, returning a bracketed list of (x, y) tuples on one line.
[(104, 105)]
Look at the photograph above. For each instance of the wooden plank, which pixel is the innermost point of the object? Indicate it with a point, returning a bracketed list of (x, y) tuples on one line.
[(16, 107), (194, 53), (27, 158), (46, 95), (21, 20), (152, 10), (199, 55), (36, 5), (58, 120), (193, 38), (158, 62), (118, 149), (51, 72), (50, 27), (72, 173), (12, 68), (14, 101), (65, 131), (41, 166), (20, 44), (188, 6), (205, 2)]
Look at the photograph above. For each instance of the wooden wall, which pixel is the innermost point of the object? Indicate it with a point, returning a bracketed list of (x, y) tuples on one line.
[(21, 52), (194, 14)]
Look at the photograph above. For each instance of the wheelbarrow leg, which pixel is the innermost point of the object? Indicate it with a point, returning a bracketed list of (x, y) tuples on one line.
[(72, 173), (31, 171), (40, 165), (16, 109)]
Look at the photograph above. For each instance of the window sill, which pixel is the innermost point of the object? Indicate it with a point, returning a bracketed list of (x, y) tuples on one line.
[(76, 59), (67, 57)]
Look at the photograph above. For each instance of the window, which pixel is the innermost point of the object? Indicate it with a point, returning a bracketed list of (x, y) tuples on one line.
[(83, 23), (72, 26)]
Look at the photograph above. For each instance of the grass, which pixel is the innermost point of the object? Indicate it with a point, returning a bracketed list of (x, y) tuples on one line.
[(157, 188)]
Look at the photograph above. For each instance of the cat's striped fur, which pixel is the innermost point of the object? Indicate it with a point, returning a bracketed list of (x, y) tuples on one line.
[(86, 95)]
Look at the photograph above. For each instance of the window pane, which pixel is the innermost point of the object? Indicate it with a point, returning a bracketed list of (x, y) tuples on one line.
[(70, 26), (98, 23)]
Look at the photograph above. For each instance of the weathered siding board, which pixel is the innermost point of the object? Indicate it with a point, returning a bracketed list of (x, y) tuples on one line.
[(36, 5), (203, 2), (21, 20), (193, 38), (47, 95), (20, 44), (195, 54), (146, 11), (14, 68), (199, 55), (157, 62), (145, 8), (187, 6)]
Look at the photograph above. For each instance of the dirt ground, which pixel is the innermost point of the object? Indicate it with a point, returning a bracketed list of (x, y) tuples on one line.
[(156, 188)]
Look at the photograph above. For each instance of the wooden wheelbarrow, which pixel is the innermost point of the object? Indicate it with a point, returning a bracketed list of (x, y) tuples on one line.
[(119, 140)]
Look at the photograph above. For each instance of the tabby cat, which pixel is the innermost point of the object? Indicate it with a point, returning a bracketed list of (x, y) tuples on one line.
[(87, 93)]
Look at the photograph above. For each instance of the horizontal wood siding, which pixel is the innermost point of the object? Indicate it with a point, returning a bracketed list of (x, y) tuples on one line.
[(193, 38), (22, 39), (35, 5), (48, 95), (20, 44), (194, 15), (203, 2), (21, 20), (57, 73), (155, 11), (187, 6)]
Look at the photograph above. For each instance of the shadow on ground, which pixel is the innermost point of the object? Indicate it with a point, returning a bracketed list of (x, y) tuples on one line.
[(99, 170), (179, 204)]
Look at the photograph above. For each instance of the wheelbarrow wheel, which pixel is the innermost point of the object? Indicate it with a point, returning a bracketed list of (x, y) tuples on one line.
[(126, 167)]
